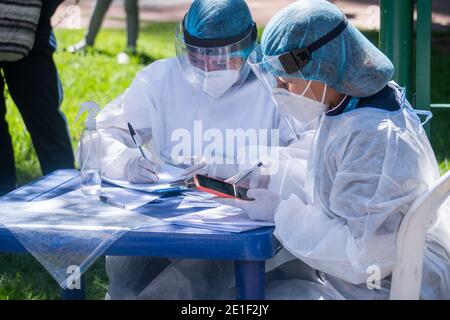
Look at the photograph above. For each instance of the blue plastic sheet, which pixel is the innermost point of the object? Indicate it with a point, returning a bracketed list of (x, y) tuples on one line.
[(67, 234)]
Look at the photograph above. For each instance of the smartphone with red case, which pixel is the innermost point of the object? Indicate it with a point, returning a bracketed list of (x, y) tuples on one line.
[(219, 187)]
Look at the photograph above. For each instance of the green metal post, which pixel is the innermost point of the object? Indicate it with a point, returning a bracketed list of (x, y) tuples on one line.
[(423, 57), (396, 39)]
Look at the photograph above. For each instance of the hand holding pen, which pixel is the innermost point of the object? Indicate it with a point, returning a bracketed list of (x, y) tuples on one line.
[(140, 169), (241, 176)]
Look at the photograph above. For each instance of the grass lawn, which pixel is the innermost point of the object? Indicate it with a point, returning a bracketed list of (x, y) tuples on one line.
[(96, 76)]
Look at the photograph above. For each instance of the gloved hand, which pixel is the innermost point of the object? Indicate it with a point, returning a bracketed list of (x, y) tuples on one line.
[(141, 170), (262, 208)]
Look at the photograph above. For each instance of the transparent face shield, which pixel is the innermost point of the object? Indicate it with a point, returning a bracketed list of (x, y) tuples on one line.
[(212, 69), (273, 72), (291, 92), (283, 73)]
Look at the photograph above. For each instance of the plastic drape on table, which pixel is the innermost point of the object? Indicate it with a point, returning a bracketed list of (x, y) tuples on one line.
[(66, 234)]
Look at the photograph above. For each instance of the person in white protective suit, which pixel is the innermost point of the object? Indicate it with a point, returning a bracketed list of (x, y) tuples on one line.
[(369, 161), (174, 103)]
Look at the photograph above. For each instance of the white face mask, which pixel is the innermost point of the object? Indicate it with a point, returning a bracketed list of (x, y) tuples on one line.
[(216, 83), (299, 107)]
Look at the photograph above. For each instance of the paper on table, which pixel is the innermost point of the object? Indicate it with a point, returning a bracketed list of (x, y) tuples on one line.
[(76, 209), (166, 175), (198, 199), (131, 199), (221, 218), (200, 194)]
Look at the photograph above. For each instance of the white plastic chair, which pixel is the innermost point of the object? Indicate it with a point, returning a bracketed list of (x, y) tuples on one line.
[(407, 274)]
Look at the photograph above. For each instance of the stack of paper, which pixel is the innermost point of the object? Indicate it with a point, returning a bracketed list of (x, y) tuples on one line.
[(197, 199), (216, 217), (166, 175)]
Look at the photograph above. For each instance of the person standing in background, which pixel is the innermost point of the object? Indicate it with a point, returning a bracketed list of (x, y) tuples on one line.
[(132, 12), (35, 88)]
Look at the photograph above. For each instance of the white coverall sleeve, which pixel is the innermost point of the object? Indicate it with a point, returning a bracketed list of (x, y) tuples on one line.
[(374, 182), (134, 106)]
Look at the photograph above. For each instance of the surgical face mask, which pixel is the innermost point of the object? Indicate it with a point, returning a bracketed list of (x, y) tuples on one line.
[(216, 83), (299, 107)]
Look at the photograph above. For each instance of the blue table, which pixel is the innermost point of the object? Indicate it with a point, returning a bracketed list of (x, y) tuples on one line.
[(248, 250)]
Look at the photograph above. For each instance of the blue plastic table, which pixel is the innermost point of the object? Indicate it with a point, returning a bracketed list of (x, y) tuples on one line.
[(248, 250)]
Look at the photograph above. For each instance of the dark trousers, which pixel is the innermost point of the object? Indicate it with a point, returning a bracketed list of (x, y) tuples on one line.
[(132, 12), (35, 88)]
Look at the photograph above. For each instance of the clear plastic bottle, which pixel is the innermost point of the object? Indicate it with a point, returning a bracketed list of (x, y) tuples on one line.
[(90, 155)]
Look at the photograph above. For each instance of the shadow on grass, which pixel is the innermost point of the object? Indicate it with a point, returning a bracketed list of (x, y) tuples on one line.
[(22, 277), (142, 57)]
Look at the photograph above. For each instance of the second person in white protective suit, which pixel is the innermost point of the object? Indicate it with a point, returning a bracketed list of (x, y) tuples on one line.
[(178, 104), (369, 161)]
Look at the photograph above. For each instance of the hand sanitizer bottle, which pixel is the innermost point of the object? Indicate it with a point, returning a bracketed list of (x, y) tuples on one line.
[(90, 152)]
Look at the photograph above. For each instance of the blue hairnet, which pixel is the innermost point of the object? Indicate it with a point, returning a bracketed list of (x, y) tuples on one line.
[(217, 19), (349, 63)]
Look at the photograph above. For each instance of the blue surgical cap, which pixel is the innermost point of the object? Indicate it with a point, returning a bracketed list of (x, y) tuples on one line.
[(217, 19), (349, 63)]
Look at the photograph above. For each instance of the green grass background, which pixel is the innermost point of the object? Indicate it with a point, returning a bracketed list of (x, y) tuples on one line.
[(97, 76)]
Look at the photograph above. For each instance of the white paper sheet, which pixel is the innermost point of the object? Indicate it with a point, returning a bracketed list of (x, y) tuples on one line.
[(221, 218), (166, 175), (131, 199), (75, 205), (72, 211), (198, 199)]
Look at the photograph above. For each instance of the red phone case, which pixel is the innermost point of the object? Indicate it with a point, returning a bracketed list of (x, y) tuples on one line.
[(212, 191)]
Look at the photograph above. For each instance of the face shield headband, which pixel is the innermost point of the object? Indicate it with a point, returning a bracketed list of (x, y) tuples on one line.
[(214, 43), (295, 60)]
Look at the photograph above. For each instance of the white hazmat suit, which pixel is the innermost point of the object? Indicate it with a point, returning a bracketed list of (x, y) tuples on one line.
[(365, 169), (169, 114)]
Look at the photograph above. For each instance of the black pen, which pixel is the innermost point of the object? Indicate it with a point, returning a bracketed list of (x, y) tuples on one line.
[(133, 136), (111, 202), (250, 171)]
